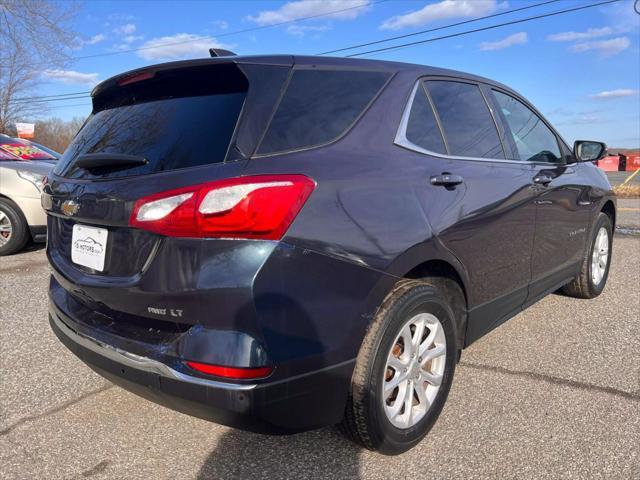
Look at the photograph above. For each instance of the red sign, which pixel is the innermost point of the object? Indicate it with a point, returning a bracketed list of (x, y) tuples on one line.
[(633, 163), (609, 164)]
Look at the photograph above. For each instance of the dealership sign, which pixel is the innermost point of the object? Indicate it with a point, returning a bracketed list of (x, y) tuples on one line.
[(25, 130)]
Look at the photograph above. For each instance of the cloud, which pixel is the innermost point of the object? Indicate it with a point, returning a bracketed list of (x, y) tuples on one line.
[(119, 17), (71, 77), (619, 93), (301, 30), (515, 39), (95, 39), (126, 29), (606, 48), (440, 11), (180, 45), (308, 8), (220, 24), (571, 36), (132, 38), (581, 120), (565, 112)]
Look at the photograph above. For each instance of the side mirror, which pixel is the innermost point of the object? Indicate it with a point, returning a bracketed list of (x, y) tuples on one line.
[(588, 151)]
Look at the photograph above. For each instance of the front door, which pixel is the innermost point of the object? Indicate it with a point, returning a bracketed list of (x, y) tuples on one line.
[(561, 198)]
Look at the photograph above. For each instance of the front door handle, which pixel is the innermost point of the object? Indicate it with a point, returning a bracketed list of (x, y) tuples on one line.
[(446, 180), (542, 179)]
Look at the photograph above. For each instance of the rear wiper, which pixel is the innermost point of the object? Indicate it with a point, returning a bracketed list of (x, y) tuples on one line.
[(114, 160)]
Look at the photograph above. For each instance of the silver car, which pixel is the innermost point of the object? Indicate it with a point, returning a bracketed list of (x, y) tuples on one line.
[(23, 167)]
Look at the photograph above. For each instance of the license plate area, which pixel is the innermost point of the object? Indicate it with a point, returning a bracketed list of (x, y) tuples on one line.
[(89, 246)]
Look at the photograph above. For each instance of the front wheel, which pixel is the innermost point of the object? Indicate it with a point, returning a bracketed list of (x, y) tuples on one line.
[(14, 232), (404, 370), (595, 266)]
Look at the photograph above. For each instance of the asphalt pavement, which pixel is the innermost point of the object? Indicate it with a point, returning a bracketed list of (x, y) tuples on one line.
[(553, 393)]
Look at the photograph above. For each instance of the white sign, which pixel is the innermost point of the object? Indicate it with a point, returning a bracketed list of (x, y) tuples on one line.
[(26, 130), (89, 246)]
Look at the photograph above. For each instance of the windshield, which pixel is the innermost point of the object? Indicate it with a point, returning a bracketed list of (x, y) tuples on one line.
[(15, 149)]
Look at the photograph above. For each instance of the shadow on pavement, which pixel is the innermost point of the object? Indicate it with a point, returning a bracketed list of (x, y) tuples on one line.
[(316, 455), (33, 247)]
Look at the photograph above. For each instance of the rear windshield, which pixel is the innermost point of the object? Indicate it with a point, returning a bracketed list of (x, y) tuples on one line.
[(319, 106), (170, 134)]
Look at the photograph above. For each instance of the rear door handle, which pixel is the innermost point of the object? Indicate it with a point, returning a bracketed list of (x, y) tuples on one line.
[(542, 180), (446, 180)]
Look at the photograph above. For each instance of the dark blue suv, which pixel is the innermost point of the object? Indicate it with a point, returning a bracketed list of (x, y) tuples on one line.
[(280, 243)]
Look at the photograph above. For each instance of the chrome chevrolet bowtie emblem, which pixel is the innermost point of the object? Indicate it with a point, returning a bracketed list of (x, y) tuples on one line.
[(70, 207)]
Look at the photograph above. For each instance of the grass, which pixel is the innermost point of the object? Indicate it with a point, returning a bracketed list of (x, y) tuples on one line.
[(627, 191)]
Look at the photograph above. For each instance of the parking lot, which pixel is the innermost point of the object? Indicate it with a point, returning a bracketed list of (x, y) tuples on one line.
[(553, 393)]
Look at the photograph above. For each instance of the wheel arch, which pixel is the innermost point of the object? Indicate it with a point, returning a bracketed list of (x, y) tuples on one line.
[(15, 205), (609, 209), (441, 269)]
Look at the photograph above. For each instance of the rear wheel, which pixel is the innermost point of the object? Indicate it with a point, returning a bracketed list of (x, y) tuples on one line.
[(13, 228), (595, 266), (404, 370)]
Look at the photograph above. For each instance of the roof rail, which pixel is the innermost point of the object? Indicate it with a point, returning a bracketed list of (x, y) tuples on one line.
[(220, 52)]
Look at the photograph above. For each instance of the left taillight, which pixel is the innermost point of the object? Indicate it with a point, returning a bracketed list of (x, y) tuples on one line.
[(261, 207)]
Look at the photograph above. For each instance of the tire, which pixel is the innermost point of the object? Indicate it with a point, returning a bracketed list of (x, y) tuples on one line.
[(584, 285), (11, 217), (366, 419)]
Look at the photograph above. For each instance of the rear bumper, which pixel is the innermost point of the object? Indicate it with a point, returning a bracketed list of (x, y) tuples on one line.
[(285, 406)]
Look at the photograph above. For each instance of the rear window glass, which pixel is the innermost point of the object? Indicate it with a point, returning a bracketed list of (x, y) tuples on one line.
[(319, 106), (422, 128), (171, 134), (466, 120)]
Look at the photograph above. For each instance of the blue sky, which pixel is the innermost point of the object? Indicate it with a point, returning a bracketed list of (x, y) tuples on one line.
[(581, 69)]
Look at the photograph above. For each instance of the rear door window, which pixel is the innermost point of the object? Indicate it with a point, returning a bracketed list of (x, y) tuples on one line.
[(534, 141), (466, 120), (318, 106), (422, 127)]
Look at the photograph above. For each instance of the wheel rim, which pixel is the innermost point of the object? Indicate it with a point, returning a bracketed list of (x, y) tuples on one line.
[(600, 256), (6, 229), (414, 370)]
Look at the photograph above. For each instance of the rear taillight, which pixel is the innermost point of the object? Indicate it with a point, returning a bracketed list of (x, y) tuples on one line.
[(237, 373), (261, 206)]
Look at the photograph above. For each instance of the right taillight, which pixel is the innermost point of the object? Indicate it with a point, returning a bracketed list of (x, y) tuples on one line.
[(260, 206)]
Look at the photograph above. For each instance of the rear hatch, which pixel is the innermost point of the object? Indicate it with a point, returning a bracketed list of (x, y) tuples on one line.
[(151, 130)]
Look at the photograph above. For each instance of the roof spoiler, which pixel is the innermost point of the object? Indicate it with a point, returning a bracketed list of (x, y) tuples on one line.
[(220, 52)]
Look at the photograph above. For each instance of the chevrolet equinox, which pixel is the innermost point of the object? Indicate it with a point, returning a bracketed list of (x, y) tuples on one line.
[(280, 243)]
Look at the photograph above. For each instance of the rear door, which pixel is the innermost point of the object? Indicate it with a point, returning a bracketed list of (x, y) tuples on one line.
[(487, 221), (562, 197)]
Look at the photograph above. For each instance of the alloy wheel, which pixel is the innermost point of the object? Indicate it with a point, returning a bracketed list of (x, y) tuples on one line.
[(6, 229), (414, 370), (600, 256)]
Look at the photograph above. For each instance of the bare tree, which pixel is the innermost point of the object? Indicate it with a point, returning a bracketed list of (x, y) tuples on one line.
[(35, 35), (55, 133)]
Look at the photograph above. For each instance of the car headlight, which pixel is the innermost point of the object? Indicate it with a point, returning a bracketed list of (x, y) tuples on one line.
[(35, 178)]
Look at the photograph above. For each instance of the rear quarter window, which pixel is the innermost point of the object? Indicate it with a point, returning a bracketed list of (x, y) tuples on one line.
[(422, 128), (319, 106)]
